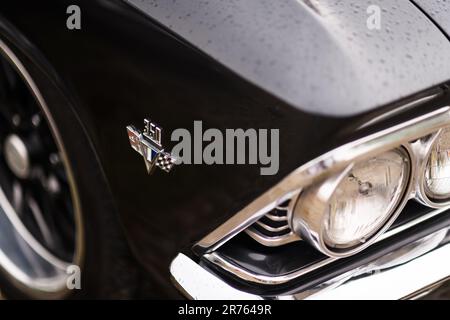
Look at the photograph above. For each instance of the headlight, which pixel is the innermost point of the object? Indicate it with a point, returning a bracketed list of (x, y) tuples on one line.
[(343, 213), (437, 172)]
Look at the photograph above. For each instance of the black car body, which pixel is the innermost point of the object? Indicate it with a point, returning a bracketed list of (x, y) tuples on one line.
[(311, 69)]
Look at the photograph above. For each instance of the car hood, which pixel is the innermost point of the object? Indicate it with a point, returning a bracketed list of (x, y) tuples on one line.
[(438, 11), (319, 56)]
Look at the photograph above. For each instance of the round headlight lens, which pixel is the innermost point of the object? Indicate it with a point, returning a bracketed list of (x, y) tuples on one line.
[(365, 199), (437, 173), (344, 213)]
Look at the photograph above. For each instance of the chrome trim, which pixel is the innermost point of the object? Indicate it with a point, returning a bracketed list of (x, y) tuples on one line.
[(201, 284), (393, 276), (272, 241), (276, 218), (275, 240), (326, 165), (237, 223), (400, 109), (253, 277), (272, 229), (428, 290)]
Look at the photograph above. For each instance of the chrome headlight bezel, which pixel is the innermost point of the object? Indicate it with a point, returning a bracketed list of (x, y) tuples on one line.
[(310, 223)]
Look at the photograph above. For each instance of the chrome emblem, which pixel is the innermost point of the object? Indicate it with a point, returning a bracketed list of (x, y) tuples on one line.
[(148, 145)]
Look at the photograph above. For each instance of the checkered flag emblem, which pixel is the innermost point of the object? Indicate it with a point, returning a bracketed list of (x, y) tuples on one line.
[(165, 161), (148, 145)]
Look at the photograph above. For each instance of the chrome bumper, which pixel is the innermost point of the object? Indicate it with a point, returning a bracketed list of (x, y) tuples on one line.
[(403, 273)]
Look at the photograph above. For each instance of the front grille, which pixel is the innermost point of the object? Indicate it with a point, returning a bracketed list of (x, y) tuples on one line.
[(273, 229)]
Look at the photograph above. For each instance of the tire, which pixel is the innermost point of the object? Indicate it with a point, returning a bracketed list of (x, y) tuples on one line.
[(108, 270)]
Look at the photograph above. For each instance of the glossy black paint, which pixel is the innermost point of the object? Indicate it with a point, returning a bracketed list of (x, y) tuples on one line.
[(298, 50), (122, 67)]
